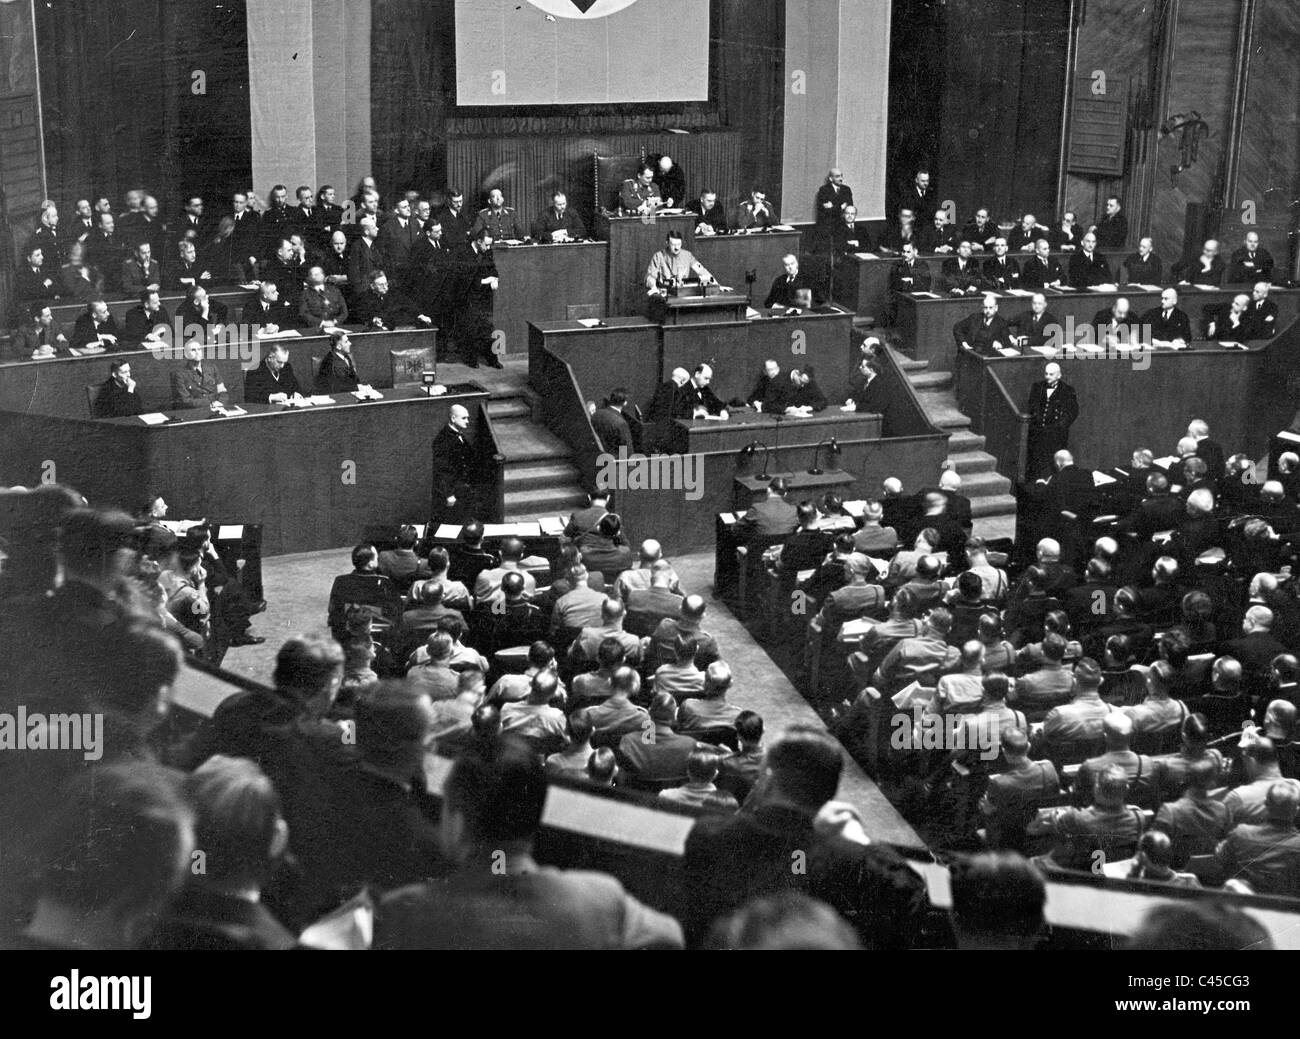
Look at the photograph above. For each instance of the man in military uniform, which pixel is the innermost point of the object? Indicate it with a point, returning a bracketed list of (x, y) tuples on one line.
[(639, 194), (498, 218), (673, 264), (194, 386)]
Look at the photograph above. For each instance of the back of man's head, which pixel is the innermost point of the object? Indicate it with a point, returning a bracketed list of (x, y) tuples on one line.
[(1281, 803), (1015, 744), (805, 765), (498, 794), (996, 896), (749, 728), (702, 766), (693, 607), (663, 709), (611, 611), (1117, 730), (543, 687), (1053, 648), (308, 665), (238, 823), (1111, 788), (1202, 774), (512, 549), (625, 682), (717, 679), (392, 724), (580, 726), (610, 653)]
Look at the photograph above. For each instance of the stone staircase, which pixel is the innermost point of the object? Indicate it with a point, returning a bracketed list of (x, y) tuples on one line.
[(990, 493)]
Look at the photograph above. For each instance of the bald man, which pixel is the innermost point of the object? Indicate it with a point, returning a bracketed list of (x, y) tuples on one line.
[(454, 465), (1230, 322), (1251, 263), (1206, 269), (1053, 407), (831, 199)]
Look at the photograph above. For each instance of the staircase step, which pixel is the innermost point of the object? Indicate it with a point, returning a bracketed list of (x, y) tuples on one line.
[(930, 380), (544, 501), (993, 505), (984, 485), (908, 365), (526, 441), (540, 476), (509, 407), (967, 462), (943, 414), (964, 440)]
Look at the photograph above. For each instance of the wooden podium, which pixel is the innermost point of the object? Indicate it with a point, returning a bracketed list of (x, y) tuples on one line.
[(697, 305)]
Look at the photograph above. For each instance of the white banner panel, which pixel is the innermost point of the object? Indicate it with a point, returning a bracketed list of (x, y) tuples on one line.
[(575, 52)]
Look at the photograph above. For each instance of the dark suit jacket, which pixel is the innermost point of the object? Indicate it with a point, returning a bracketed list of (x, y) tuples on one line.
[(1060, 237), (769, 517), (840, 239), (981, 236), (772, 393), (838, 199), (916, 278), (136, 279), (549, 222), (1058, 413), (139, 324), (1190, 271), (1025, 324), (315, 307), (1220, 325), (1070, 490), (181, 275), (338, 374), (31, 285), (1144, 272), (731, 860), (455, 226), (782, 292), (397, 242), (716, 217), (85, 331), (362, 259), (1034, 273), (454, 463), (259, 384), (1112, 231), (610, 425), (972, 331), (392, 309), (1018, 239), (1263, 319), (1178, 326), (115, 401), (279, 313), (1085, 272), (692, 397), (931, 238), (188, 315), (956, 278), (288, 277), (1245, 269), (1002, 276), (1255, 651)]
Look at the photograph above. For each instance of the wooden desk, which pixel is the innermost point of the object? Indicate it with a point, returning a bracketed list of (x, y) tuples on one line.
[(926, 324), (801, 482), (698, 308), (623, 353), (313, 478), (540, 283), (633, 241), (58, 386), (744, 426), (728, 257)]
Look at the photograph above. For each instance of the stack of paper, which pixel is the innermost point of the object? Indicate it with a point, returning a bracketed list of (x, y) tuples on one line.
[(1207, 288), (1101, 479), (233, 532), (320, 398), (727, 517), (782, 227), (552, 527), (589, 322), (866, 256), (855, 508), (153, 418), (447, 532)]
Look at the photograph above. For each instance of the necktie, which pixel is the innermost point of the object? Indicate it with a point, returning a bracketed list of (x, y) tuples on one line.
[(1167, 313)]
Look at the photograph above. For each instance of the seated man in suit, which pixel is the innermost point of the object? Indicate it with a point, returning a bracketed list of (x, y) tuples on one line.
[(141, 271), (710, 218), (143, 321), (32, 281), (1041, 271), (1112, 229), (273, 381), (867, 392), (1088, 267), (96, 330), (961, 274), (844, 236), (980, 231), (194, 386), (41, 338), (1250, 263), (186, 271), (1143, 267), (1170, 327), (900, 232), (1035, 326), (1114, 323), (1068, 236), (558, 222), (338, 371), (379, 308), (322, 305), (1262, 313), (986, 333), (805, 396), (1230, 322), (1001, 271), (77, 279), (666, 403), (201, 315), (268, 312), (118, 396), (910, 274), (770, 392), (939, 236), (697, 399), (772, 515), (1206, 269), (756, 213), (1024, 236), (784, 286)]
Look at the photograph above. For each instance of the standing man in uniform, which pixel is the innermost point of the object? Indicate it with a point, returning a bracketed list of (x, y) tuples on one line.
[(454, 464)]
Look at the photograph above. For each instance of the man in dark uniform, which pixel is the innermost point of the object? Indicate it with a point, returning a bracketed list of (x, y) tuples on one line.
[(1089, 267), (193, 386), (118, 396), (671, 182), (338, 372), (498, 219), (1053, 407), (455, 220), (770, 391), (272, 378), (1112, 231), (610, 425), (454, 465)]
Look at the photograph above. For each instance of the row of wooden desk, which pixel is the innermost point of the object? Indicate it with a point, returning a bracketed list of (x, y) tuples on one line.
[(314, 477), (926, 324)]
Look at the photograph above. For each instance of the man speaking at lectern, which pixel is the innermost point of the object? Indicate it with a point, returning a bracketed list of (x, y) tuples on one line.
[(673, 265)]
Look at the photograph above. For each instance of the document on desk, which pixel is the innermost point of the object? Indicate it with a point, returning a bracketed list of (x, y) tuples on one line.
[(855, 508), (153, 418), (233, 532), (1207, 288), (589, 322), (866, 256), (1143, 288), (927, 295), (1101, 479), (1019, 292), (727, 517), (782, 227), (1104, 288), (447, 531), (751, 314), (320, 398), (552, 526), (284, 333)]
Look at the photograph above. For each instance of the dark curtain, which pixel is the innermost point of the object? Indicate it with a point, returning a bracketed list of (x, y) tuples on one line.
[(413, 95), (917, 67), (119, 102)]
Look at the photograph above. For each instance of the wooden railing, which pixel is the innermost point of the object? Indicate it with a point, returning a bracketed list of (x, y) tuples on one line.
[(993, 413), (564, 412), (493, 460)]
